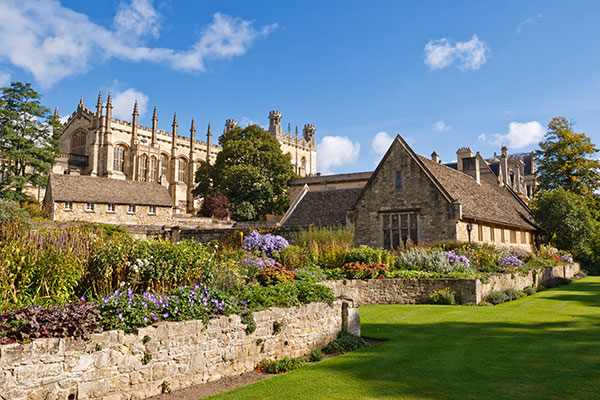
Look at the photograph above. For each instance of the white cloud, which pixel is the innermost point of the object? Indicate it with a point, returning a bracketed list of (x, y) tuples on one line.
[(528, 21), (246, 122), (520, 134), (53, 42), (136, 19), (4, 79), (381, 143), (334, 151), (441, 126), (64, 119), (442, 53), (123, 103)]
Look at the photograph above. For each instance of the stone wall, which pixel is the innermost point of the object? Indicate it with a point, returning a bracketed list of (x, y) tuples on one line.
[(121, 215), (417, 291), (109, 366)]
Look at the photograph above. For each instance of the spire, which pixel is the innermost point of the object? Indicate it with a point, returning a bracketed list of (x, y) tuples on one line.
[(209, 132), (296, 131), (135, 109), (192, 130), (99, 103), (208, 143), (174, 124), (174, 139), (56, 113), (109, 101), (289, 129), (154, 127), (154, 117)]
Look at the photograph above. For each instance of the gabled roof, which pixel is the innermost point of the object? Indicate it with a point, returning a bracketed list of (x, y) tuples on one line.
[(351, 177), (91, 189), (483, 201), (323, 208)]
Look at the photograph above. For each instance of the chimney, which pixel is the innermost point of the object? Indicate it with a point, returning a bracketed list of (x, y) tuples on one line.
[(470, 166), (462, 153), (435, 157)]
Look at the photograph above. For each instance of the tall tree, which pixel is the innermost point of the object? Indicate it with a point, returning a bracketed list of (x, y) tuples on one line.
[(28, 140), (564, 160), (251, 171)]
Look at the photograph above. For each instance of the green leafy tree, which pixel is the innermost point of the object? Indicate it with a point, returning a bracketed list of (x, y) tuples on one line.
[(28, 140), (565, 220), (251, 171), (564, 161)]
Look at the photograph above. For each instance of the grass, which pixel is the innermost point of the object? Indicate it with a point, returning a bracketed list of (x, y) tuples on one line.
[(546, 346)]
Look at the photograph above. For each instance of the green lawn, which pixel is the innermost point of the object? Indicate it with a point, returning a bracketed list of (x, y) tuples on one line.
[(546, 346)]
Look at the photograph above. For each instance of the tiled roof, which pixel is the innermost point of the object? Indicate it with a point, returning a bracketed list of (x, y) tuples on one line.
[(323, 208), (356, 176), (484, 200), (91, 189)]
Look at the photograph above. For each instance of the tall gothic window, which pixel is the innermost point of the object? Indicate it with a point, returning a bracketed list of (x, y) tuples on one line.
[(78, 143), (153, 169), (119, 158), (302, 170), (143, 167), (182, 170), (164, 165)]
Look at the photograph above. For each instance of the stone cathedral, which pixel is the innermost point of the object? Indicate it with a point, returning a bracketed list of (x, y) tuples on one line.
[(96, 144)]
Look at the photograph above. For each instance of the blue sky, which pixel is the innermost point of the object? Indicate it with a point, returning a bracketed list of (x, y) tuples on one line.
[(442, 74)]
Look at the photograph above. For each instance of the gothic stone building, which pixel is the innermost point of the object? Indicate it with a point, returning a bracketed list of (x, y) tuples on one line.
[(95, 144), (411, 196)]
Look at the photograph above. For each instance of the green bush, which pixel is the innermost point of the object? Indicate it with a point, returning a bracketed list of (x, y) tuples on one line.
[(369, 255), (294, 257), (443, 296), (10, 211), (280, 366), (287, 294), (513, 294), (326, 247), (497, 297), (529, 290), (424, 259), (344, 343), (315, 355)]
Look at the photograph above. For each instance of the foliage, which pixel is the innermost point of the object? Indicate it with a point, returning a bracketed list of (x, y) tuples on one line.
[(369, 255), (326, 247), (295, 257), (280, 366), (266, 244), (423, 259), (215, 206), (513, 294), (565, 160), (77, 319), (360, 270), (510, 262), (344, 343), (126, 310), (28, 140), (497, 297), (248, 319), (251, 171), (287, 294), (315, 355), (529, 290), (443, 296), (565, 220), (274, 274), (10, 211), (310, 274), (556, 281)]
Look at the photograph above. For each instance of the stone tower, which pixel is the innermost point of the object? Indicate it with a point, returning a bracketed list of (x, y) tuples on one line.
[(275, 123)]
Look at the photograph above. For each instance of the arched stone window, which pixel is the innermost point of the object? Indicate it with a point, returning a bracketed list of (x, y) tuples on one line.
[(78, 143), (153, 169), (182, 170), (302, 169), (164, 165), (119, 158), (143, 167)]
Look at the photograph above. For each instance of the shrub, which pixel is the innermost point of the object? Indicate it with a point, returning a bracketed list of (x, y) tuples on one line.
[(309, 274), (529, 290), (457, 261), (266, 244), (513, 294), (509, 261), (215, 206), (368, 255), (280, 366), (556, 281), (520, 253), (315, 355), (443, 296), (287, 294), (274, 274), (294, 257), (243, 211), (497, 297), (427, 260), (359, 270), (326, 247), (344, 343), (10, 211), (78, 319)]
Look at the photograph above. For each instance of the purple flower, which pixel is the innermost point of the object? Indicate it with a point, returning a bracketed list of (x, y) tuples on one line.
[(509, 260)]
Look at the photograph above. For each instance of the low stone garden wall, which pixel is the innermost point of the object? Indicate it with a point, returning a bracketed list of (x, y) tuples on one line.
[(417, 291), (113, 365)]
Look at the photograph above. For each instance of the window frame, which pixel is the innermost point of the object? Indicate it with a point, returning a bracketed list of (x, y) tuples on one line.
[(398, 180), (398, 227), (152, 209), (68, 206), (111, 208), (89, 207), (131, 209)]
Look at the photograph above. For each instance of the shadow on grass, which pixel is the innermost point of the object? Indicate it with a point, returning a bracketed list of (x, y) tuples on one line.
[(536, 348)]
